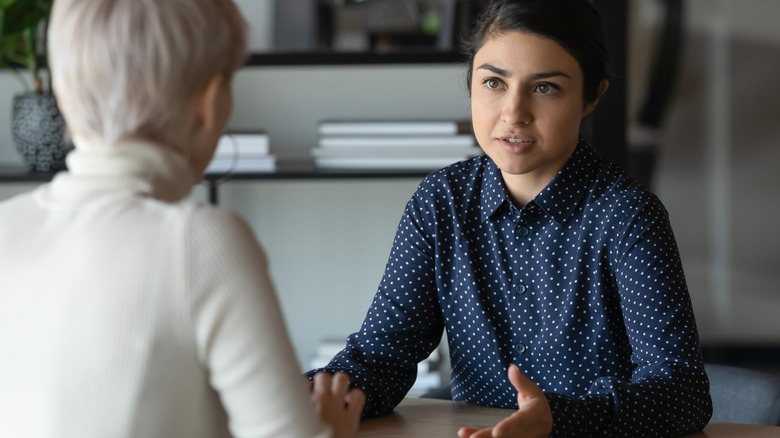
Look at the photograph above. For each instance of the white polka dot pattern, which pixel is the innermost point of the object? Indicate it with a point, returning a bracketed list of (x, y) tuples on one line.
[(582, 288)]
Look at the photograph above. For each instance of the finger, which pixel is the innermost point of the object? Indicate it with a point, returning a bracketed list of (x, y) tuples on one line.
[(470, 432), (355, 399), (308, 384), (322, 383), (509, 424), (339, 385), (526, 388), (465, 432), (482, 433)]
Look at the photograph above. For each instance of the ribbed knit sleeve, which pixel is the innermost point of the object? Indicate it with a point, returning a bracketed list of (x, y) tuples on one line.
[(240, 334)]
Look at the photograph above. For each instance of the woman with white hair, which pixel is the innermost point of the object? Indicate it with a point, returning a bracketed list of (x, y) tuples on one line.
[(125, 310)]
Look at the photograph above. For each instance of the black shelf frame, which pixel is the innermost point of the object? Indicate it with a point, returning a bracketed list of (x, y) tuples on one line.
[(215, 180), (20, 174), (260, 59)]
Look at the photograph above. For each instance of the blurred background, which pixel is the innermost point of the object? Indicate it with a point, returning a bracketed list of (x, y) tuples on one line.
[(700, 124)]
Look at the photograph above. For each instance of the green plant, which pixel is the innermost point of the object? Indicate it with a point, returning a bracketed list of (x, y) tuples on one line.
[(23, 38)]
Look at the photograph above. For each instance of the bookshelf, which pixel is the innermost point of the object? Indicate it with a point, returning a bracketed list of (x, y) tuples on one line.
[(20, 174)]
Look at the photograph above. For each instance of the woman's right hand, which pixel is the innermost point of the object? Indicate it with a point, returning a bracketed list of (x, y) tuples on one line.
[(336, 404)]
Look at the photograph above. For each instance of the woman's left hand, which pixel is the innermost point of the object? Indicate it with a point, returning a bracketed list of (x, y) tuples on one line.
[(336, 404), (532, 419)]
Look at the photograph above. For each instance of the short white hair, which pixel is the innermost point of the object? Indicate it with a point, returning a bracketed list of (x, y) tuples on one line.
[(132, 67)]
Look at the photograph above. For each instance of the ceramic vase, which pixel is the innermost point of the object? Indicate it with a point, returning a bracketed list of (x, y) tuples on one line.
[(38, 129)]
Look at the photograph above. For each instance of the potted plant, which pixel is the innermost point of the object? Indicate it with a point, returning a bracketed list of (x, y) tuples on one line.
[(37, 126)]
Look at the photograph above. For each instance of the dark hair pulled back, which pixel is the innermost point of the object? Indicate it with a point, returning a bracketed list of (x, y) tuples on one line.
[(574, 24)]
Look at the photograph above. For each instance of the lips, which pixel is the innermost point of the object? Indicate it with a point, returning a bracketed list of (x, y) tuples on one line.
[(516, 138), (515, 143)]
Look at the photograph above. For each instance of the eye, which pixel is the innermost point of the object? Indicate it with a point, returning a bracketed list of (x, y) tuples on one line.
[(493, 83), (546, 88)]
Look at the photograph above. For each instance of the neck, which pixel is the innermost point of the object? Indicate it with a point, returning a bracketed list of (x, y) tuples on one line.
[(523, 188), (132, 165)]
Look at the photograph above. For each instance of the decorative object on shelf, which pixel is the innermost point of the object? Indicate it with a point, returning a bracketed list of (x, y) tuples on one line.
[(243, 152), (37, 127), (363, 28), (393, 144)]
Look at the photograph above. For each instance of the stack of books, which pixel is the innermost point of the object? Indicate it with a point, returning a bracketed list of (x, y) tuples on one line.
[(393, 144), (243, 152)]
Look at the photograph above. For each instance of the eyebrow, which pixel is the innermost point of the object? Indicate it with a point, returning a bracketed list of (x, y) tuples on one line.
[(534, 77)]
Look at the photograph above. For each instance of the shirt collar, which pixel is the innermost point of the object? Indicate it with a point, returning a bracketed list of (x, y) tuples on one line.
[(493, 195), (559, 198), (137, 166)]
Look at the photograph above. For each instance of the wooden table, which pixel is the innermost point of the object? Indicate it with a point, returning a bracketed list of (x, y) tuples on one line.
[(442, 419)]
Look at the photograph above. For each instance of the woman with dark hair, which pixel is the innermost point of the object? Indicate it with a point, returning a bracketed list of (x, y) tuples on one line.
[(542, 261)]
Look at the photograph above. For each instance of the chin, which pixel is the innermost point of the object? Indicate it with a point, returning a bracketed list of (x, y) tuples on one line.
[(514, 170), (512, 165)]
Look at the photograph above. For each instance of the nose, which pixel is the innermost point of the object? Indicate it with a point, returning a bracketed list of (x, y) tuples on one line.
[(516, 109)]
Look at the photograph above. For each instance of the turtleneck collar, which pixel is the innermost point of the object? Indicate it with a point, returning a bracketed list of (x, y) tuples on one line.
[(128, 166)]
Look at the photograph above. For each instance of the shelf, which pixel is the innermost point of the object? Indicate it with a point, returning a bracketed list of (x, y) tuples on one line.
[(20, 174), (347, 58), (215, 180), (322, 174)]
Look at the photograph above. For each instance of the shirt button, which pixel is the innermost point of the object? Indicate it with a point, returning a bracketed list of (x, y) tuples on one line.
[(524, 231), (521, 348), (521, 288)]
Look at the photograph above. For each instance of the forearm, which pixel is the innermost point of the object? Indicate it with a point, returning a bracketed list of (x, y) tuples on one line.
[(579, 417), (402, 326), (384, 386), (668, 392), (673, 402), (237, 330)]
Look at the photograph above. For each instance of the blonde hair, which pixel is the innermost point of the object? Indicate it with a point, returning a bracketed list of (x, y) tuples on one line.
[(132, 67)]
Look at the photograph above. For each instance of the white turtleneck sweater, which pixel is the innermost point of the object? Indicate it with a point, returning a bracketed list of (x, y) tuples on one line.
[(127, 312)]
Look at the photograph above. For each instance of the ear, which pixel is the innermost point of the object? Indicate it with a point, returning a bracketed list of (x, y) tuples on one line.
[(592, 105), (206, 106)]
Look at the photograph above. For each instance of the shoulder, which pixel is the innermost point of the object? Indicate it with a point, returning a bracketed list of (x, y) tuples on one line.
[(616, 189), (195, 219), (216, 230), (17, 201), (195, 229), (623, 206), (17, 213), (210, 219)]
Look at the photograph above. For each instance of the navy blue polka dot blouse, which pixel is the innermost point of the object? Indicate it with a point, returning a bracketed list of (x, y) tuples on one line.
[(582, 288)]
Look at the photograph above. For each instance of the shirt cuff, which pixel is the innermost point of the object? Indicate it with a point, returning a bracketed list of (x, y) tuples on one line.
[(579, 417)]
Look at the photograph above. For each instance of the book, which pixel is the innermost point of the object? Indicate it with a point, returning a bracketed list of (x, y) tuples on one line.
[(422, 151), (394, 127), (384, 163), (404, 141), (243, 143), (242, 164)]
